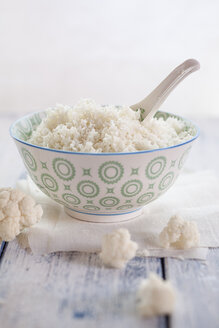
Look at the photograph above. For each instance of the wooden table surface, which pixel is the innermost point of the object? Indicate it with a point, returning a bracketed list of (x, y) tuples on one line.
[(74, 290)]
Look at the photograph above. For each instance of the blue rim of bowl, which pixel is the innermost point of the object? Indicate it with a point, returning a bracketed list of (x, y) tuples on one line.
[(103, 214), (104, 154)]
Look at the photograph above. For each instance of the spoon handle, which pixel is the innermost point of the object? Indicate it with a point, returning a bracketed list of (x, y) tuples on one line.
[(154, 100)]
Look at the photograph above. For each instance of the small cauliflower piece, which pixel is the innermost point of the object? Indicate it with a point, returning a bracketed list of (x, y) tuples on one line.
[(180, 234), (155, 296), (117, 248), (17, 212)]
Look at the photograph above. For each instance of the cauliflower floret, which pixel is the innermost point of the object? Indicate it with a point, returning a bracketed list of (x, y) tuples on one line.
[(4, 197), (117, 248), (9, 228), (155, 296), (180, 234), (17, 212)]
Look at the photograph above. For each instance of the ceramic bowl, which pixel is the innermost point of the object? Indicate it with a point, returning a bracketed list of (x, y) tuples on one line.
[(100, 187)]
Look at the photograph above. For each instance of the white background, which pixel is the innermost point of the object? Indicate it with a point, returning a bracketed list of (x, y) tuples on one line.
[(114, 51)]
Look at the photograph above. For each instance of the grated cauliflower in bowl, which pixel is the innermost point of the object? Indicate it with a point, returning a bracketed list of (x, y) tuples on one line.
[(90, 127)]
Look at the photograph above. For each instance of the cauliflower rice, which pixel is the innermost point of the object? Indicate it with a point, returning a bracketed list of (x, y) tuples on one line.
[(90, 127)]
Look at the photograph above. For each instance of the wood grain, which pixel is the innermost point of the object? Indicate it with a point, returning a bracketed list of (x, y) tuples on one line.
[(197, 282), (198, 291), (70, 290)]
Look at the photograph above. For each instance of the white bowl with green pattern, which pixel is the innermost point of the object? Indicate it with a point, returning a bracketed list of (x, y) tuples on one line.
[(100, 187)]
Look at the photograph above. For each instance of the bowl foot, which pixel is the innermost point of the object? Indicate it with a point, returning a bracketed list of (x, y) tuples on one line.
[(103, 218)]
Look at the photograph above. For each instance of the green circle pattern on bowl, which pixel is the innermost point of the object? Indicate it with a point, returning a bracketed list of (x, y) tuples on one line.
[(162, 115), (71, 199), (88, 188), (131, 188), (156, 167), (60, 202), (44, 190), (166, 181), (25, 129), (109, 201), (64, 169), (145, 198), (91, 207), (29, 159), (124, 207), (111, 172), (49, 182)]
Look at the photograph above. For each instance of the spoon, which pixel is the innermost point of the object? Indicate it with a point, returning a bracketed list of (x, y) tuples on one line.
[(154, 100)]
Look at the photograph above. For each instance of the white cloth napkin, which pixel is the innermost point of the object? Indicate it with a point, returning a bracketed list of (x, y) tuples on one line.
[(195, 196)]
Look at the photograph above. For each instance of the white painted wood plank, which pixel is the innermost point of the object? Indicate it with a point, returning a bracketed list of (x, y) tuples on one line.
[(198, 282), (70, 290), (198, 287)]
